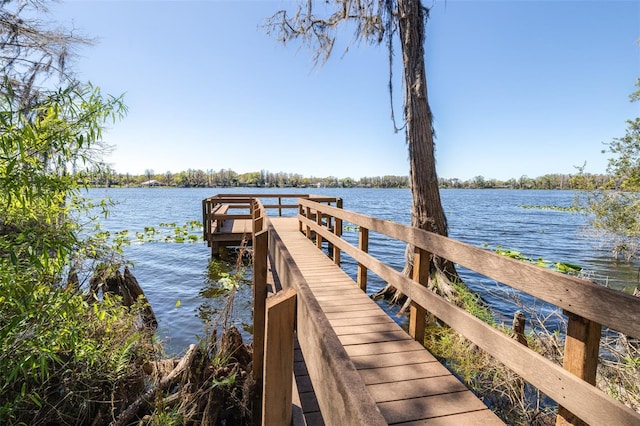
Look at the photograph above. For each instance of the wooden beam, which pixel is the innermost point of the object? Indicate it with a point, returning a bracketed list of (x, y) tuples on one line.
[(581, 348), (611, 308), (592, 404), (418, 314), (319, 223), (260, 241), (363, 245), (337, 231), (278, 359)]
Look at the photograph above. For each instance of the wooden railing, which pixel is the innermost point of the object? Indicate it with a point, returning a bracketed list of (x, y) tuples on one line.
[(587, 305), (323, 352), (216, 209)]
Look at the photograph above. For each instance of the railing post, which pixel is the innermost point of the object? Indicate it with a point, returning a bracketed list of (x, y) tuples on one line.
[(278, 359), (260, 247), (418, 314), (363, 245), (337, 231), (279, 206), (308, 215), (205, 221), (581, 348), (300, 212), (319, 223)]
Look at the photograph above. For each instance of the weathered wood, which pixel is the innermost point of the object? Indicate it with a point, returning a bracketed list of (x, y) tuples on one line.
[(135, 292), (594, 406), (341, 394), (301, 211), (259, 301), (149, 397), (258, 224), (361, 327), (318, 236), (614, 309), (418, 314), (611, 308), (363, 245), (337, 231), (278, 359), (518, 325), (581, 348), (308, 217)]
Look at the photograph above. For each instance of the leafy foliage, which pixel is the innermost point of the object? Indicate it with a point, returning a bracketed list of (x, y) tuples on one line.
[(614, 209), (64, 356), (39, 176), (564, 267)]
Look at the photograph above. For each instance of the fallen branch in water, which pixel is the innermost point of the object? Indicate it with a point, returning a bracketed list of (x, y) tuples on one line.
[(144, 401)]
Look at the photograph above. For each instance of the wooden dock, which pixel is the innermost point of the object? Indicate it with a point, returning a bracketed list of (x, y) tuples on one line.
[(405, 381), (354, 365)]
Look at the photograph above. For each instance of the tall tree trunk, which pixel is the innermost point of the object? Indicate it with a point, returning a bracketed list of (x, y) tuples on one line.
[(426, 207)]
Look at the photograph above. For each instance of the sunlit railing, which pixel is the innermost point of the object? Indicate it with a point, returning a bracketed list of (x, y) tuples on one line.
[(587, 305)]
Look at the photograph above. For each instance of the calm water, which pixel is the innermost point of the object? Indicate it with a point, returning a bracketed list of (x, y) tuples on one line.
[(177, 272)]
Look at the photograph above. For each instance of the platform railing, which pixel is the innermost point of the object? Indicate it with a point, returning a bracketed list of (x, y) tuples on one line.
[(324, 353), (588, 306), (221, 207)]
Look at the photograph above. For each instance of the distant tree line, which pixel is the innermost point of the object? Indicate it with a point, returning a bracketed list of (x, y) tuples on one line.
[(192, 178), (549, 181), (197, 178)]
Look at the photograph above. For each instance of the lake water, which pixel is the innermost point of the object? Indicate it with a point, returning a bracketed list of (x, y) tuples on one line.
[(175, 279)]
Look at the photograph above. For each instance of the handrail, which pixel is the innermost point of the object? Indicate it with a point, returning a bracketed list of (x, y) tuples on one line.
[(333, 372), (614, 309)]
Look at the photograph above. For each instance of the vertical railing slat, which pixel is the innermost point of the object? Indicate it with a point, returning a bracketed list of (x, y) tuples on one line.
[(581, 348), (418, 314), (363, 245)]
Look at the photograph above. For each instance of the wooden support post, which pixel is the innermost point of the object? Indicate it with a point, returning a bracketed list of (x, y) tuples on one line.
[(309, 216), (279, 206), (519, 320), (418, 314), (337, 231), (278, 359), (363, 245), (260, 242), (300, 212), (205, 221), (319, 223), (581, 349)]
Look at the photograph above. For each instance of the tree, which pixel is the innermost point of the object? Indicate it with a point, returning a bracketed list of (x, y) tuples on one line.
[(149, 174), (378, 21), (31, 52), (614, 209)]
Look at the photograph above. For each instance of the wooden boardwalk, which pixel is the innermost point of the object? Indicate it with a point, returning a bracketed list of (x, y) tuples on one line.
[(354, 365), (408, 384)]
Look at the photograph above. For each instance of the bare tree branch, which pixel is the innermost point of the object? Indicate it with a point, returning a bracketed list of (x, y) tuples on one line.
[(373, 21), (32, 51)]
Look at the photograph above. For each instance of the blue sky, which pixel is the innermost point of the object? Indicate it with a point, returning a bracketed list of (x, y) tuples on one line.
[(516, 88)]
